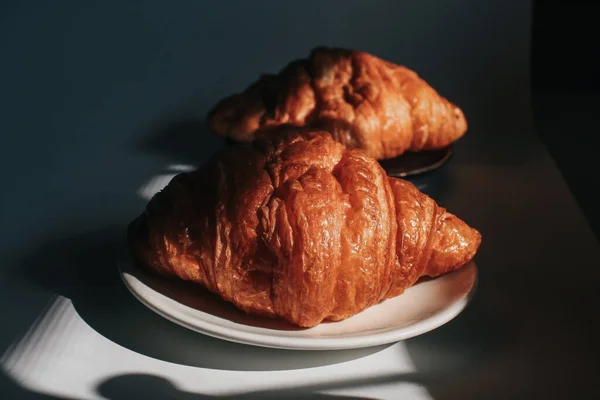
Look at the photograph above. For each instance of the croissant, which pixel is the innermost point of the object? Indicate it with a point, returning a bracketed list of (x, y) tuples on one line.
[(298, 227), (363, 101)]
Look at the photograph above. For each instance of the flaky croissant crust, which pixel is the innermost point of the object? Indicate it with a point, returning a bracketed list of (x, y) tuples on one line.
[(300, 228), (365, 102)]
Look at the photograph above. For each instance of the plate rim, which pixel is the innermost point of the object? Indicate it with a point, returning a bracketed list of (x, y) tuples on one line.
[(448, 154), (266, 340)]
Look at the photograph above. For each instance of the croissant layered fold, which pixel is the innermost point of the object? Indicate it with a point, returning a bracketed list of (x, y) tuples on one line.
[(298, 227), (364, 101)]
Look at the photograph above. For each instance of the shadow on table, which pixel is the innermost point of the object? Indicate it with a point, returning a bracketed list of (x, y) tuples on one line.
[(125, 387)]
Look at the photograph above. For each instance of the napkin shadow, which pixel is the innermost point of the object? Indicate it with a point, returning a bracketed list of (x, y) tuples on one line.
[(84, 269), (145, 386), (150, 386)]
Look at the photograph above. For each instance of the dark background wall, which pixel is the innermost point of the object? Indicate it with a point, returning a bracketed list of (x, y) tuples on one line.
[(565, 78), (565, 51)]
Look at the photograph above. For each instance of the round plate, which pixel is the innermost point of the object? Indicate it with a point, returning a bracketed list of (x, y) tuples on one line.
[(422, 308), (411, 164)]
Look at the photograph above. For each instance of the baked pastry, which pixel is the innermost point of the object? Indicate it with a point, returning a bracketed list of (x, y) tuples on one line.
[(298, 227), (363, 101)]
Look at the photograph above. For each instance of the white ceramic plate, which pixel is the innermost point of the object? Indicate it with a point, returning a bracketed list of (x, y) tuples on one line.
[(422, 308)]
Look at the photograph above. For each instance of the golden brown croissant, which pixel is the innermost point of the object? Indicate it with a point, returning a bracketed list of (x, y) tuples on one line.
[(300, 228), (365, 102)]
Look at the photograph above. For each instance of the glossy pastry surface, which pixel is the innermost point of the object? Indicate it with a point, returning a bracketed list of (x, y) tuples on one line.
[(298, 227), (364, 101)]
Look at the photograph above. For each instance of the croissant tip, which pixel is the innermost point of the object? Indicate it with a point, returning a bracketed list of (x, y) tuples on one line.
[(477, 239), (461, 121), (457, 246)]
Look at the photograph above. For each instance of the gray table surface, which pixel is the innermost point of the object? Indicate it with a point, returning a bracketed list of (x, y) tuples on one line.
[(98, 97)]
